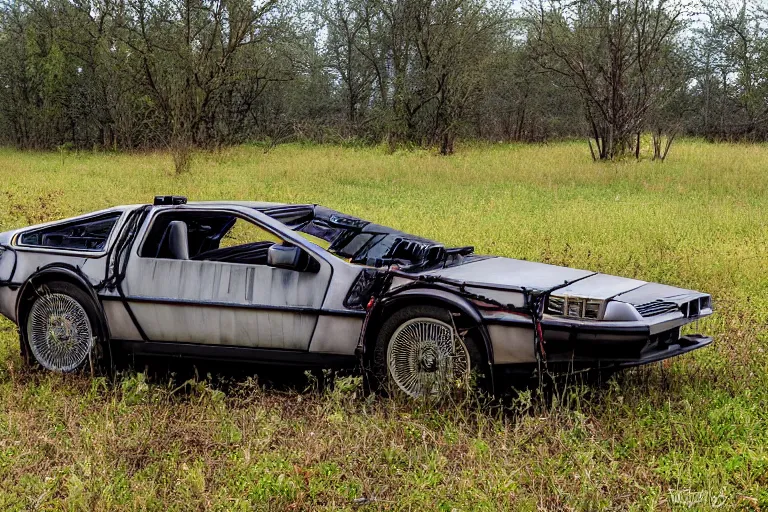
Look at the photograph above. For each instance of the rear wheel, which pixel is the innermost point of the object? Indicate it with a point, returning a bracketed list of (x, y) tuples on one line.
[(419, 353), (60, 327)]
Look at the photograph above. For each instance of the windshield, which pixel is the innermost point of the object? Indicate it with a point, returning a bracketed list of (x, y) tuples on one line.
[(364, 242)]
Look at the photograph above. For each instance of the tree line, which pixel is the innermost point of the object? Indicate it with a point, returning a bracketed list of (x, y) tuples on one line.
[(132, 74)]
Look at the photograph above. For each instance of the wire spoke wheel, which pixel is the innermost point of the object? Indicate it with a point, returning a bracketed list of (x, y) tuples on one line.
[(59, 332), (426, 358)]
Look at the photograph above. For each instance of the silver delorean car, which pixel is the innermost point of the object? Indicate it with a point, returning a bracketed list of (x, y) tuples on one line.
[(306, 285)]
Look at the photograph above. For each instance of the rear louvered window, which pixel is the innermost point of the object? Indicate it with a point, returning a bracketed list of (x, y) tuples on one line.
[(82, 235)]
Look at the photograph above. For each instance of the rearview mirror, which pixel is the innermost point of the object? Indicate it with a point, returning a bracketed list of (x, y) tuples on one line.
[(290, 257)]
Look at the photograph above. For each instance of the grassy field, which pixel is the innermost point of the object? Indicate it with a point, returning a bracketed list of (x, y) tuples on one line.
[(690, 433)]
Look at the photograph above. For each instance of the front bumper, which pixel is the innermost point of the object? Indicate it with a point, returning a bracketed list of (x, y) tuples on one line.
[(589, 343), (629, 343), (517, 373), (684, 345), (625, 349)]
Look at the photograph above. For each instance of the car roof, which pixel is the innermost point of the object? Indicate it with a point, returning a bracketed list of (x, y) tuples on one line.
[(258, 205)]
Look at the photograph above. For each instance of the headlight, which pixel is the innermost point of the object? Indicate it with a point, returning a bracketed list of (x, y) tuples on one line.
[(555, 305), (574, 307), (592, 309)]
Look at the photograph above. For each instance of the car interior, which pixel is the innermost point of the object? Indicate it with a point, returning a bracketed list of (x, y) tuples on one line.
[(222, 237)]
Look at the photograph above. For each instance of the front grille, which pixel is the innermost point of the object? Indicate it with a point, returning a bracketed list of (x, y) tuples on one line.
[(690, 309), (657, 307)]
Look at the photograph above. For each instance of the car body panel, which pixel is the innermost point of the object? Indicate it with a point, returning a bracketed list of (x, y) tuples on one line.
[(512, 344), (226, 303)]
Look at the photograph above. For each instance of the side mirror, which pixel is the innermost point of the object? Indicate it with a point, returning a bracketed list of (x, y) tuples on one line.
[(283, 256), (291, 257)]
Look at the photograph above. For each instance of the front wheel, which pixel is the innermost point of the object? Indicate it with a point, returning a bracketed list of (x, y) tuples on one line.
[(419, 353), (59, 327)]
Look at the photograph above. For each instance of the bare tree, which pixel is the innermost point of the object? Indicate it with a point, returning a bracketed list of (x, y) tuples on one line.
[(730, 56), (616, 54)]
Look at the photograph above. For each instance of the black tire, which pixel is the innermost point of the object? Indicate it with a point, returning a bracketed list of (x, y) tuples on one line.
[(383, 379), (61, 328)]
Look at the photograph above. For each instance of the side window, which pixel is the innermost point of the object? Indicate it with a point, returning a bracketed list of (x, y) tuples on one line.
[(243, 242), (243, 232), (207, 236), (83, 235)]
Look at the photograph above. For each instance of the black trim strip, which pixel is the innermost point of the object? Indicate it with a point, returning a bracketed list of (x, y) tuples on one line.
[(642, 330), (219, 304), (564, 326), (236, 353)]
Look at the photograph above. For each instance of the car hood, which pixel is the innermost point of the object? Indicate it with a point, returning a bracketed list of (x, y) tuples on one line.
[(508, 272)]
